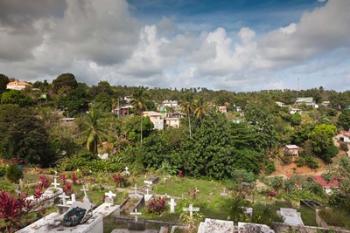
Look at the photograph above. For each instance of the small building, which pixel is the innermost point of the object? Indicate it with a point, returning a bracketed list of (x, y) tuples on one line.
[(291, 150), (327, 185), (222, 109), (18, 85), (291, 216), (343, 136), (123, 111), (156, 118), (308, 101), (170, 103), (173, 122), (280, 104), (127, 99), (325, 103)]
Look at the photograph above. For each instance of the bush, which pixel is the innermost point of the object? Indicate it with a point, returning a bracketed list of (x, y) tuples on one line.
[(269, 167), (156, 205), (311, 162), (329, 153), (2, 171), (343, 146), (14, 173)]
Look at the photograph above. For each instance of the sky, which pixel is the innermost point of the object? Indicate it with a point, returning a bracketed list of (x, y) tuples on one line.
[(238, 45)]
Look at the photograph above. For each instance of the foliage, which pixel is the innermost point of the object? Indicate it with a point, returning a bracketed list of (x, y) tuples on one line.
[(295, 119), (44, 182), (75, 102), (23, 136), (4, 80), (66, 81), (308, 161), (2, 170), (264, 214), (344, 119), (120, 180), (132, 129), (156, 205), (103, 102), (322, 141), (15, 97), (14, 173)]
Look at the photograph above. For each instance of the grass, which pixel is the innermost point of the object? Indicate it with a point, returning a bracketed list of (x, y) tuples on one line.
[(336, 217), (308, 216)]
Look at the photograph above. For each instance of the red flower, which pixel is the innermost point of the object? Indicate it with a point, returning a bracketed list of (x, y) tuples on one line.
[(38, 191), (157, 205), (44, 181), (67, 188), (75, 178), (63, 178)]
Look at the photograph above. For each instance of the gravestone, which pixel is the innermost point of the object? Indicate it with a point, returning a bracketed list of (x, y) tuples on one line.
[(136, 225), (172, 204), (191, 209), (109, 197)]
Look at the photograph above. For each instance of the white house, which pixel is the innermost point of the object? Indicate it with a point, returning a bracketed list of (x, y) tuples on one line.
[(291, 150), (308, 101), (172, 122), (222, 109), (295, 110), (280, 104), (156, 118), (18, 85)]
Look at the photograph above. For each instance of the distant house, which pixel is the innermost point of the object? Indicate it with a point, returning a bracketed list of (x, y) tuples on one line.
[(343, 136), (168, 104), (123, 111), (18, 85), (280, 104), (156, 118), (173, 122), (127, 99), (222, 109), (327, 185), (291, 150), (325, 103), (308, 101)]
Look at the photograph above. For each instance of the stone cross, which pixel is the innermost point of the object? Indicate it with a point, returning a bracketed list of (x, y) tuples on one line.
[(84, 190), (136, 214), (110, 197), (147, 191), (64, 197), (73, 198), (172, 204), (191, 209)]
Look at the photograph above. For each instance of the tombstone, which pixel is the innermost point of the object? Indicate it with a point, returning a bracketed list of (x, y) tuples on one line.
[(172, 204), (55, 183), (136, 225), (148, 196), (151, 180), (62, 208), (191, 209), (224, 193), (73, 199), (109, 197), (248, 211), (135, 189), (63, 197)]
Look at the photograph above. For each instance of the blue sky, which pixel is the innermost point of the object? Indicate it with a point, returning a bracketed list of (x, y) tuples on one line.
[(239, 45)]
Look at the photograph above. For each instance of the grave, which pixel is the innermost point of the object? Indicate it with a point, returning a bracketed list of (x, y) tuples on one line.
[(291, 216), (216, 226), (148, 196), (151, 180), (136, 225), (244, 227), (191, 209), (172, 204)]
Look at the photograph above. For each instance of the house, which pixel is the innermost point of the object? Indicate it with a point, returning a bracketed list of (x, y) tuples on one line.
[(280, 104), (156, 118), (173, 122), (123, 111), (308, 101), (127, 99), (18, 85), (168, 104), (291, 216), (343, 136), (291, 150), (222, 109), (327, 185), (325, 103)]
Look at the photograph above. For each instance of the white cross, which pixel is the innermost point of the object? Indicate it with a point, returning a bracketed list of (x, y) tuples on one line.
[(55, 183), (110, 195), (127, 171), (191, 209), (84, 190), (64, 197), (147, 191), (73, 198), (136, 214), (172, 204)]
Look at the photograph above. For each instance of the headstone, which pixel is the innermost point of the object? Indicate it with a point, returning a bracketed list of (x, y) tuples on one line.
[(126, 172), (109, 197), (73, 199), (224, 193), (135, 189), (63, 197), (172, 204), (55, 183), (136, 214), (191, 209)]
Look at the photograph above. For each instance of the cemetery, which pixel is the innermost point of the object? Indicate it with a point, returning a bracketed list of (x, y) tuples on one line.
[(74, 202)]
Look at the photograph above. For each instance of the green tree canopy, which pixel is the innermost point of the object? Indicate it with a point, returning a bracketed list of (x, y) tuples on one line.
[(66, 81), (4, 80), (15, 97), (344, 119)]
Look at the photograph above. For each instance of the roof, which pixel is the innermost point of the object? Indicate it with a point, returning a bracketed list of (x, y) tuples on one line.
[(151, 113), (291, 147), (333, 183), (305, 100)]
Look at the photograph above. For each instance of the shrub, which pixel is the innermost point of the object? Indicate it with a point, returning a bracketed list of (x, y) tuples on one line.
[(67, 188), (343, 146), (38, 191), (14, 173), (44, 182), (270, 167), (156, 205), (286, 159), (311, 162), (119, 180), (2, 171)]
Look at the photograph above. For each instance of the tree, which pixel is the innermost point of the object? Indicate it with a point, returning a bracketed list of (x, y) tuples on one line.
[(295, 119), (66, 81), (75, 102), (23, 136), (344, 119), (187, 108), (15, 97), (321, 138), (4, 80), (139, 103), (200, 109), (103, 102), (93, 130)]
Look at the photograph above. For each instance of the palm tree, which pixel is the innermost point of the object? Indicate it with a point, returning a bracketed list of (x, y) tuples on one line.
[(200, 109), (94, 132), (188, 108), (139, 103)]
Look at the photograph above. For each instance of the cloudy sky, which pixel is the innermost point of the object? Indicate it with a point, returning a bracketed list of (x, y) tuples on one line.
[(236, 45)]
